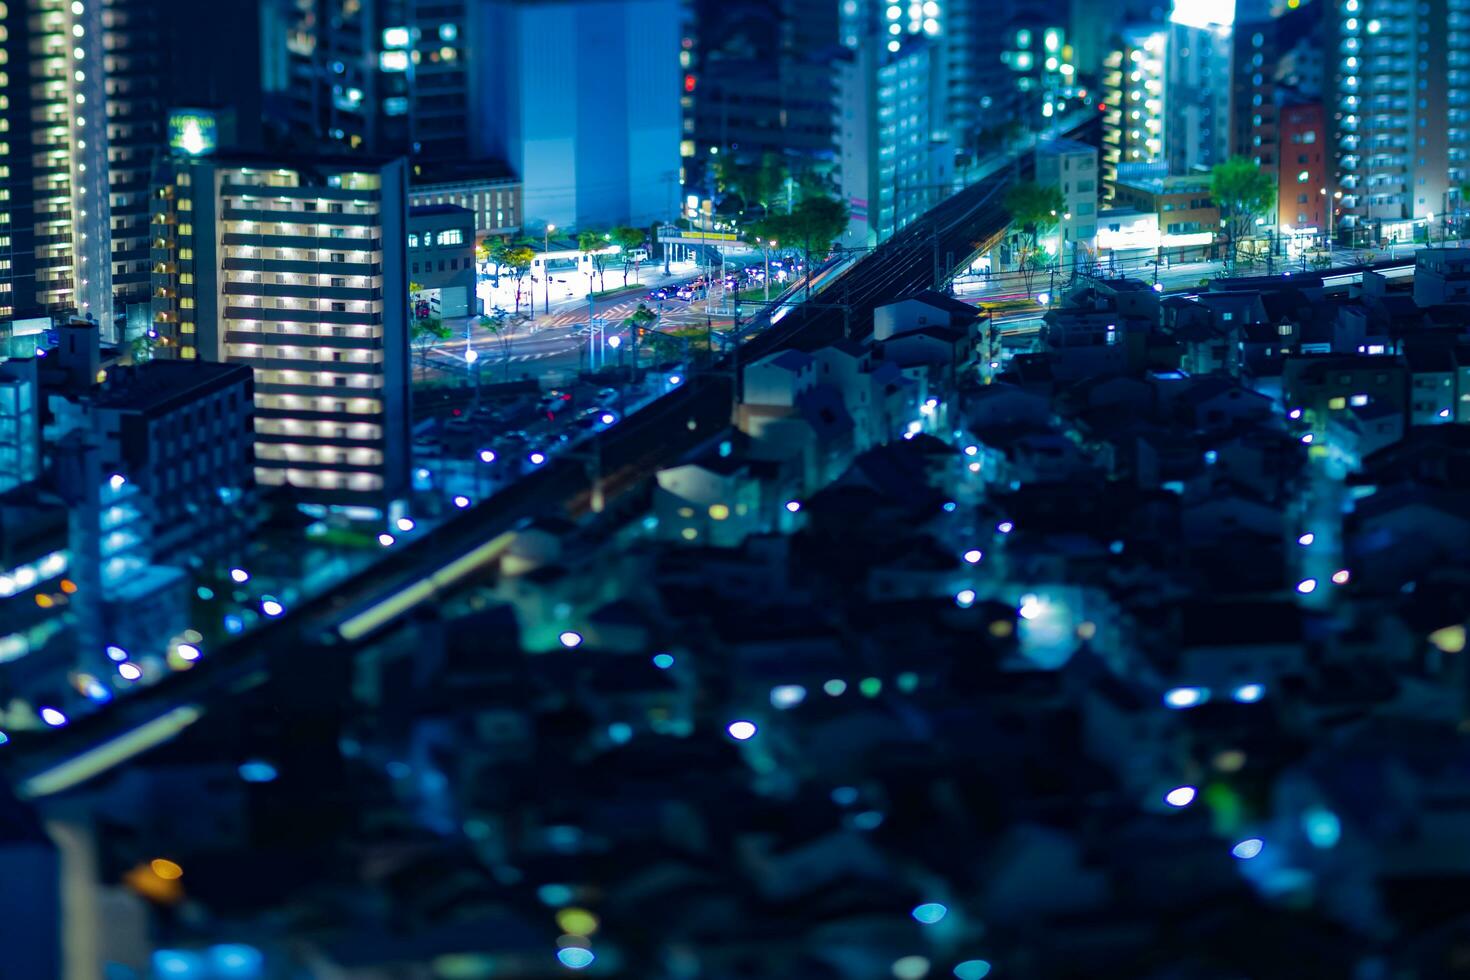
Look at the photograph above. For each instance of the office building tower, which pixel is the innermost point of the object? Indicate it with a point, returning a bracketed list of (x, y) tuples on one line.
[(1199, 65), (297, 269), (893, 159), (1133, 103), (1400, 108), (758, 80), (386, 77), (582, 100)]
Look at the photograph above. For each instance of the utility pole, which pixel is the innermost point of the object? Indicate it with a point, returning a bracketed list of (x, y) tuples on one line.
[(545, 269)]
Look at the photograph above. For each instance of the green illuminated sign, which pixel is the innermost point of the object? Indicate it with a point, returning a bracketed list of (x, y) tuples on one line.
[(193, 131)]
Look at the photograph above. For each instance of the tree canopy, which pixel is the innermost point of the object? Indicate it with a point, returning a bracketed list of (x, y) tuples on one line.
[(514, 259), (1034, 209), (1242, 192), (628, 238), (812, 226), (758, 184), (591, 243)]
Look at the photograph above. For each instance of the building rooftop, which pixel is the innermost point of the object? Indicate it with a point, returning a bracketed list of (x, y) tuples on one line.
[(158, 387), (1060, 144), (436, 210), (450, 172)]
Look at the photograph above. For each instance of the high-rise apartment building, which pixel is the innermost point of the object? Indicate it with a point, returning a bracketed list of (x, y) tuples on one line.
[(893, 158), (297, 269), (1133, 103), (388, 77), (53, 161), (972, 82), (1400, 110), (83, 116)]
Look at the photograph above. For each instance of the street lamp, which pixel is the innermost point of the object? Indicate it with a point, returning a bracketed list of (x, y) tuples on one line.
[(766, 248), (472, 358), (546, 265)]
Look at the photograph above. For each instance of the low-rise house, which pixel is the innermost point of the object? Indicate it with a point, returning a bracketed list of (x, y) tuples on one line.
[(1402, 532), (1379, 424), (714, 499), (1432, 376), (1318, 384), (1441, 275), (1004, 404), (1216, 404), (1085, 343), (926, 309), (1224, 646)]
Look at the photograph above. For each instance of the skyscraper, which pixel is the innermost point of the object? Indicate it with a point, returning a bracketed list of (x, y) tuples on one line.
[(758, 79), (53, 161), (83, 115), (1199, 65), (581, 98)]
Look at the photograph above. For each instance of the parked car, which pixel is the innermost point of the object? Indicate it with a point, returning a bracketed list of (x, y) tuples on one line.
[(555, 401)]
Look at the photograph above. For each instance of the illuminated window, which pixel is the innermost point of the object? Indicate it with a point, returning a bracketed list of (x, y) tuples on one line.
[(1337, 404)]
